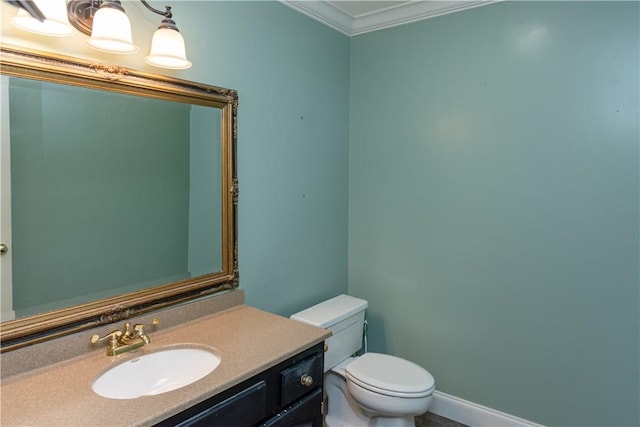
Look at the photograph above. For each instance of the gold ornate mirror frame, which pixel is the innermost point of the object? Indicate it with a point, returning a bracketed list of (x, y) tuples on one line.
[(35, 65)]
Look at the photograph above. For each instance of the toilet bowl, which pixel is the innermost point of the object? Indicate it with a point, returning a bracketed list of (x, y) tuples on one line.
[(371, 390), (389, 386), (358, 397)]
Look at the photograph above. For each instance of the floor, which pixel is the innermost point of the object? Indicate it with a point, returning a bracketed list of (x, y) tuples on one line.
[(432, 420)]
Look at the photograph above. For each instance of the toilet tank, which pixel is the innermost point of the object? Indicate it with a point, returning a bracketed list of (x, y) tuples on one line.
[(344, 316)]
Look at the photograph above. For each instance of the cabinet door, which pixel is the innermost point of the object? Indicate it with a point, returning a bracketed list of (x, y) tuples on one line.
[(304, 413)]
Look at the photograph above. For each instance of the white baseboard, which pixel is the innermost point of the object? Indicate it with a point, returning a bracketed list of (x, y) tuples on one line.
[(472, 414)]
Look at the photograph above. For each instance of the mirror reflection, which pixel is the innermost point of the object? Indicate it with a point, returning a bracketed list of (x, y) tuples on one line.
[(110, 193)]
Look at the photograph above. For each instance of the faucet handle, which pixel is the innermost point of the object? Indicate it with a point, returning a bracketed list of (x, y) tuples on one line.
[(113, 336), (138, 326), (139, 329)]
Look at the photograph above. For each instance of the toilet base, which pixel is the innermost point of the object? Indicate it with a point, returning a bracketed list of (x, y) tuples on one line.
[(372, 422), (343, 411)]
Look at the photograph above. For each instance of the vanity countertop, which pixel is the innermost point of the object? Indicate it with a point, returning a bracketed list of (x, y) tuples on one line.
[(247, 339)]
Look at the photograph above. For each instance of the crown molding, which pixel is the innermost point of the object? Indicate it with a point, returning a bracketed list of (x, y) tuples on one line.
[(401, 14), (323, 12), (410, 12)]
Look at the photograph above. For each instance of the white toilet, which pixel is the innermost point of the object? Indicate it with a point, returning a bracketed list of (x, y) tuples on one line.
[(369, 390)]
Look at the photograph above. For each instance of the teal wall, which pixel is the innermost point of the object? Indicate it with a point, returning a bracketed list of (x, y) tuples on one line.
[(292, 76), (493, 214)]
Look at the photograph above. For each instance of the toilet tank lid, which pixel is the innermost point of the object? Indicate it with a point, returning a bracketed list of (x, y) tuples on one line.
[(331, 311)]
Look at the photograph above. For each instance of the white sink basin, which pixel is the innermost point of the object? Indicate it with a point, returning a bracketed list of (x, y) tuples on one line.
[(156, 373)]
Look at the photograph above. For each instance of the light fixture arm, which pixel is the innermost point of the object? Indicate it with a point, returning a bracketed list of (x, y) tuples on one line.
[(30, 7), (167, 22), (167, 13)]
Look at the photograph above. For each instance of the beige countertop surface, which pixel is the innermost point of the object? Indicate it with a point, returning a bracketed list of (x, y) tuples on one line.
[(248, 341)]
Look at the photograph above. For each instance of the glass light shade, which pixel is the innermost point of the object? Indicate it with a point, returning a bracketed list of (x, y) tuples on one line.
[(56, 22), (111, 31), (167, 50)]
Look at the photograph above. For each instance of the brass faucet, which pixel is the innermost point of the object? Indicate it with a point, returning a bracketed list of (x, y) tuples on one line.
[(129, 339)]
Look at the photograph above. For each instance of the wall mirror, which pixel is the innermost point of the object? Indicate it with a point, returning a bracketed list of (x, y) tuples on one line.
[(119, 193)]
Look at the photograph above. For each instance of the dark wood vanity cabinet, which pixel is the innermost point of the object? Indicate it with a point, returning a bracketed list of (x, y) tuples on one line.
[(288, 394)]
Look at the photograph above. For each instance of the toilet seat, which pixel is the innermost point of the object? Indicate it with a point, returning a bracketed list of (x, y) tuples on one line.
[(390, 375)]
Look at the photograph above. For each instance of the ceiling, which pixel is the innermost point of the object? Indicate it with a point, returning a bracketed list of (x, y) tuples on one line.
[(353, 17)]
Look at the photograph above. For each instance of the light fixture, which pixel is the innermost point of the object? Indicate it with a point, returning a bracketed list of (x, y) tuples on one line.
[(47, 17), (167, 46), (107, 25), (110, 29)]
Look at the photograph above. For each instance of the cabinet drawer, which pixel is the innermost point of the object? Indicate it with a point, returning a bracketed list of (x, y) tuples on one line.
[(242, 409), (305, 412), (301, 378)]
